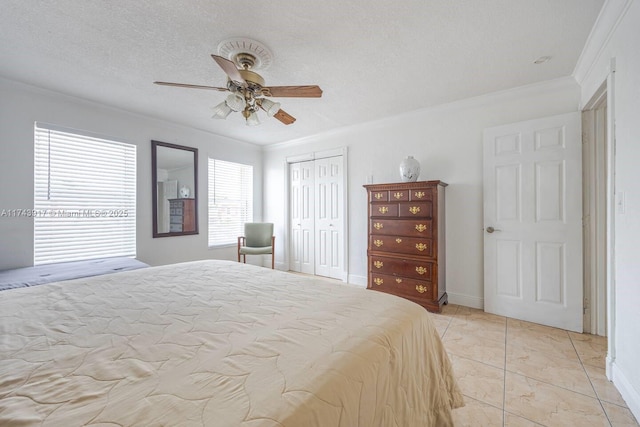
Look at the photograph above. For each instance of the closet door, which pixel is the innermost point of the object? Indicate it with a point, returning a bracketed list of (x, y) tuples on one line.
[(302, 211), (316, 197), (329, 221)]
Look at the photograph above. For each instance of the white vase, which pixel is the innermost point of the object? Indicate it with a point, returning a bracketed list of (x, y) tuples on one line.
[(409, 169)]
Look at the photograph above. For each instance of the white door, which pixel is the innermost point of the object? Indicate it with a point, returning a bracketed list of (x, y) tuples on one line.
[(329, 220), (302, 211), (533, 221)]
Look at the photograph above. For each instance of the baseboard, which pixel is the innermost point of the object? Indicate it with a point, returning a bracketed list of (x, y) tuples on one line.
[(609, 366), (357, 280), (466, 300), (627, 391), (351, 278)]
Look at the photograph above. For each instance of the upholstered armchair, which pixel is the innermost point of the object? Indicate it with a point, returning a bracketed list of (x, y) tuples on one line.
[(258, 239)]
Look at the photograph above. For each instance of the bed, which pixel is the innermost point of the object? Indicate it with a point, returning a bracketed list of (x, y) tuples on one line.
[(219, 343)]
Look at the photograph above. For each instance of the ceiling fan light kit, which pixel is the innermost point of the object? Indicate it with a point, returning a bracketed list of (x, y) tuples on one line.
[(270, 107), (221, 111), (238, 58), (236, 102), (251, 118)]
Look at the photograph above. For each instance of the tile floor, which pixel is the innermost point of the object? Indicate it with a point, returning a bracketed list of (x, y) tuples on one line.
[(515, 373)]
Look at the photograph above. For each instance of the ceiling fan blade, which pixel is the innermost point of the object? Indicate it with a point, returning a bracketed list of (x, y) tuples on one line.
[(284, 117), (230, 69), (221, 89), (293, 91)]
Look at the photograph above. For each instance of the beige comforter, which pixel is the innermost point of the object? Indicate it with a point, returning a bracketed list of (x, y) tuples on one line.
[(217, 343)]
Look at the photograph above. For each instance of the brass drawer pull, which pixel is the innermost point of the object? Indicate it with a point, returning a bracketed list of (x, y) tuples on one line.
[(378, 226), (397, 195), (378, 281), (421, 227), (378, 264), (421, 270), (419, 194), (399, 240), (398, 280), (421, 246), (421, 289), (383, 209), (378, 243), (378, 196), (414, 209)]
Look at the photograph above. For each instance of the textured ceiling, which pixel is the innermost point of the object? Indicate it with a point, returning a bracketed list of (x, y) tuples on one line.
[(373, 59)]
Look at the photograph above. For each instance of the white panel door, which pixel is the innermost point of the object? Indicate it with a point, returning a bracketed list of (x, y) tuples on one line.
[(295, 217), (533, 221), (302, 211), (329, 218)]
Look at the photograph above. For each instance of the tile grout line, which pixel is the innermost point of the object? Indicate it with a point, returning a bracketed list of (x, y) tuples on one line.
[(597, 398), (590, 382), (506, 371), (548, 382), (557, 386)]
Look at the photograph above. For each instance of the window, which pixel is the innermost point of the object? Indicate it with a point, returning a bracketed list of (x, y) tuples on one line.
[(84, 198), (230, 201)]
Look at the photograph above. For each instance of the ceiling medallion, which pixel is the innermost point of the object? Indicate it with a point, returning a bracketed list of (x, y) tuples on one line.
[(235, 49)]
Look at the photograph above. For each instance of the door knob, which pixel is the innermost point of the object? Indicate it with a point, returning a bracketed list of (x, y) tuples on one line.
[(491, 229)]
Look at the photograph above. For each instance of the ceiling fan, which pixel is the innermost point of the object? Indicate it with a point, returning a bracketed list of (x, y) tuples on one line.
[(248, 91)]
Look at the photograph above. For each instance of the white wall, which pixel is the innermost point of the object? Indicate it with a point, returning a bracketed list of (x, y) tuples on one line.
[(447, 141), (622, 44), (22, 105)]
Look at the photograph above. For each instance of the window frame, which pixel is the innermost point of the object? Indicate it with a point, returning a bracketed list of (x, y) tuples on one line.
[(68, 227), (246, 172)]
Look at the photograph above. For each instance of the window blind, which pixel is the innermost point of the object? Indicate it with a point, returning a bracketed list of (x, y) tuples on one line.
[(84, 198), (230, 200)]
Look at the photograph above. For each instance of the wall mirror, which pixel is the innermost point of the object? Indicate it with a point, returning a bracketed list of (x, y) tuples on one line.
[(174, 170)]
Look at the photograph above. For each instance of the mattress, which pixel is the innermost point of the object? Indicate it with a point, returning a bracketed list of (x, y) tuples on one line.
[(41, 274), (219, 343)]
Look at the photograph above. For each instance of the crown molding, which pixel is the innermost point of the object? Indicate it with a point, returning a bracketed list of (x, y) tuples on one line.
[(505, 95), (611, 14)]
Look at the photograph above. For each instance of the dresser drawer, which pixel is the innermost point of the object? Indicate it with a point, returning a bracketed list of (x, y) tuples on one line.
[(409, 268), (403, 286), (382, 210), (416, 210), (403, 245), (420, 194), (404, 227), (399, 195), (392, 196), (379, 196)]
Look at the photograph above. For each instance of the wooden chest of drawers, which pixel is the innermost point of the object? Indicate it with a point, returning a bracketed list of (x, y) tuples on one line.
[(406, 251), (182, 215)]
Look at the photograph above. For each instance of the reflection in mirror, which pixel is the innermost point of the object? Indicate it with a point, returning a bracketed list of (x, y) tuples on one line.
[(175, 171)]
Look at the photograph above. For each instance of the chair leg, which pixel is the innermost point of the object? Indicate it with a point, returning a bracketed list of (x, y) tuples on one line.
[(273, 252), (244, 258)]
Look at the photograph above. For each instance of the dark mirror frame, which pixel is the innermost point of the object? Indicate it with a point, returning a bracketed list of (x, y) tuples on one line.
[(154, 187)]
